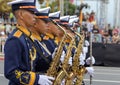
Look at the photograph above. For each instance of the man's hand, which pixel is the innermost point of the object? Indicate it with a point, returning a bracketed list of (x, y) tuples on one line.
[(45, 80), (89, 60), (62, 56), (81, 59), (70, 61), (90, 71)]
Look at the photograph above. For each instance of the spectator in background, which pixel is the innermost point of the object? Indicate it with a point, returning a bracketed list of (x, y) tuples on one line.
[(115, 38), (118, 30), (11, 17), (106, 36), (0, 14), (2, 29), (87, 37), (5, 17), (85, 28), (96, 34), (84, 17), (87, 15), (92, 16), (13, 26), (110, 32), (89, 26), (8, 28), (115, 30)]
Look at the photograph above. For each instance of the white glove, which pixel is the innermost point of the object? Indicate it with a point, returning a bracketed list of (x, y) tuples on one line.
[(88, 60), (83, 55), (70, 61), (85, 50), (86, 43), (90, 71), (81, 59), (63, 82), (45, 80), (62, 56)]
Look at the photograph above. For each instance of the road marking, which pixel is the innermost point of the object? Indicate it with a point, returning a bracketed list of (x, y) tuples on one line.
[(94, 80), (2, 75), (108, 81), (107, 73), (108, 69)]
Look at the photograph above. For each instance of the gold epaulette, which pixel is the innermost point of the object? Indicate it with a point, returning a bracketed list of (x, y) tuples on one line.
[(57, 40), (50, 35), (45, 38), (17, 34), (36, 36)]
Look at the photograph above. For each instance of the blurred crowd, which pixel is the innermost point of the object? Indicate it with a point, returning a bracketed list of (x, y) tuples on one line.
[(106, 34), (7, 23)]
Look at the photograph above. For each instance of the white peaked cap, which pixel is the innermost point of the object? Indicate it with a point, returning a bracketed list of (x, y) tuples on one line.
[(73, 20), (23, 4), (76, 19), (55, 14), (65, 18), (73, 16), (44, 10), (19, 1)]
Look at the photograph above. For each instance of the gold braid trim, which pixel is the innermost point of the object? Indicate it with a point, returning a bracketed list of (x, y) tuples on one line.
[(27, 32), (46, 38), (50, 35), (32, 78), (42, 17), (17, 34), (20, 75), (36, 36), (25, 7), (24, 30), (57, 40)]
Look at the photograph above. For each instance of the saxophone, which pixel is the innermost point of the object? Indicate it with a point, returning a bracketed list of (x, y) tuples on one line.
[(77, 71), (52, 71), (65, 67)]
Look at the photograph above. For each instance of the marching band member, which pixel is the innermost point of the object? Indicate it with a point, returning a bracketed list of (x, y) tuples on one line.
[(42, 30), (21, 48), (48, 36)]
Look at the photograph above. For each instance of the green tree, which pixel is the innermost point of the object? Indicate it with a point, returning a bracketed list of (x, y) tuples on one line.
[(69, 9), (4, 7), (54, 6), (41, 1)]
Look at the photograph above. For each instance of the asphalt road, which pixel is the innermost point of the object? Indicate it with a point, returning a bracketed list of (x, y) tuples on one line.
[(102, 76)]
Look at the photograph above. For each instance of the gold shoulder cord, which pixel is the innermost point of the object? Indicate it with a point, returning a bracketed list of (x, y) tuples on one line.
[(32, 56), (45, 47), (32, 51)]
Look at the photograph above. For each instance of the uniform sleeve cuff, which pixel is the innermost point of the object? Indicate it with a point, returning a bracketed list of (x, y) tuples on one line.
[(33, 78), (37, 78)]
